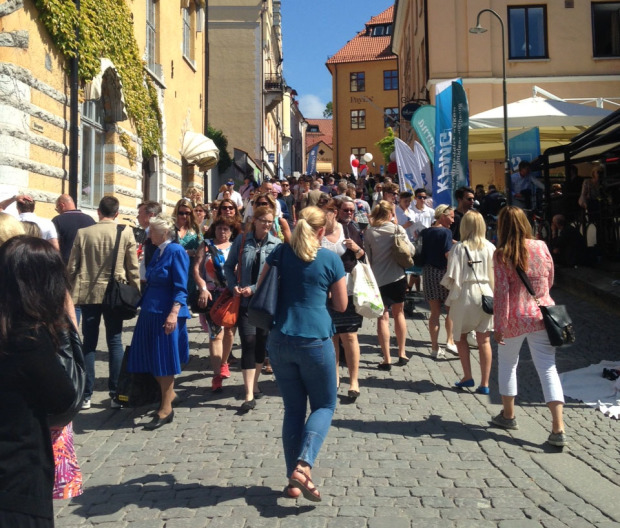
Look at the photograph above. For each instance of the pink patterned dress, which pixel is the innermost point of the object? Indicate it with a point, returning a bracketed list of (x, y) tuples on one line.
[(68, 475)]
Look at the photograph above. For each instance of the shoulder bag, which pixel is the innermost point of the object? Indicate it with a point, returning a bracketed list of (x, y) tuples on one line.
[(225, 309), (401, 251), (487, 300), (120, 298), (366, 295), (264, 302), (71, 357), (558, 323)]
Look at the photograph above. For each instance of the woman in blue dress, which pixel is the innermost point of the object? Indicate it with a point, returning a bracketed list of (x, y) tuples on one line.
[(160, 343)]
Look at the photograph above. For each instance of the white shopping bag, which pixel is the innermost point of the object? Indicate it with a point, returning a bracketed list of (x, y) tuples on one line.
[(366, 296)]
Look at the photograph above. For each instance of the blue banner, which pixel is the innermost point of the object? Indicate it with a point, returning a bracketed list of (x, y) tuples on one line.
[(442, 167), (460, 138), (523, 147), (311, 166)]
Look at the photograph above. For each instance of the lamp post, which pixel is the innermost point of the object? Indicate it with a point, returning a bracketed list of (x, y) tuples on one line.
[(479, 29)]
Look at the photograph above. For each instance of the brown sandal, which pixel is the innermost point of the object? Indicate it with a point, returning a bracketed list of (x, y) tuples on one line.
[(310, 493)]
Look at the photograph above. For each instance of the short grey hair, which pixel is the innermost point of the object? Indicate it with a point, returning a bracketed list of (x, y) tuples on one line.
[(163, 223)]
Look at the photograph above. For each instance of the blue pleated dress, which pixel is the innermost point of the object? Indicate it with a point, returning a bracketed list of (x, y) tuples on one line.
[(151, 349)]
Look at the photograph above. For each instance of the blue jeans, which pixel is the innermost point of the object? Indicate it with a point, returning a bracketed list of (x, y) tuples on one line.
[(91, 318), (305, 370)]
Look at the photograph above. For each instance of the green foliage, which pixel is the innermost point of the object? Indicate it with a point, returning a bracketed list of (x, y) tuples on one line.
[(386, 145), (221, 142), (329, 110), (106, 30)]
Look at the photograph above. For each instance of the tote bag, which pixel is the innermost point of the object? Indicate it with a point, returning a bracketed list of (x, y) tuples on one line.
[(366, 296)]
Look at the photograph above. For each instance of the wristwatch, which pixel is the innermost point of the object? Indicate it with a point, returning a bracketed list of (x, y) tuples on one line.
[(203, 288), (358, 251)]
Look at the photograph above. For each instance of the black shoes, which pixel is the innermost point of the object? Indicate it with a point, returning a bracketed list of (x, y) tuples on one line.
[(157, 422), (247, 406)]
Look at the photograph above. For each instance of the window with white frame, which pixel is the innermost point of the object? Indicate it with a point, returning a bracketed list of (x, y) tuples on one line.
[(93, 154), (358, 119), (151, 34), (390, 117), (606, 29), (188, 34), (358, 152)]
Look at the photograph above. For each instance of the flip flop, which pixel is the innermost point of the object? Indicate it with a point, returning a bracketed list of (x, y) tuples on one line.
[(310, 493)]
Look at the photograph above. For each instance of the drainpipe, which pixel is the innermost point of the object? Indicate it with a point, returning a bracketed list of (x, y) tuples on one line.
[(73, 119), (205, 182)]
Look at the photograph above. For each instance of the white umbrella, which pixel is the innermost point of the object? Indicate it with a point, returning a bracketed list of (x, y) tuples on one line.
[(540, 112)]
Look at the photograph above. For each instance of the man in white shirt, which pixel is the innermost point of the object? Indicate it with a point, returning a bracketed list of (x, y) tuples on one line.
[(25, 208), (234, 195), (422, 215)]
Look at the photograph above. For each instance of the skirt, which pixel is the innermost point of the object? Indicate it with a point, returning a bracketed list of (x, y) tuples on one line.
[(67, 473), (394, 292), (431, 281), (155, 352), (348, 321)]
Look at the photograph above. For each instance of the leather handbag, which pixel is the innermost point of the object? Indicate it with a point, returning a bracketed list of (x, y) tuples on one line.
[(487, 300), (71, 357), (225, 309), (135, 389), (401, 251), (558, 323), (120, 298), (264, 302)]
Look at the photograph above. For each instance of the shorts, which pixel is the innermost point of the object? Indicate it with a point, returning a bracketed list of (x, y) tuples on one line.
[(394, 292)]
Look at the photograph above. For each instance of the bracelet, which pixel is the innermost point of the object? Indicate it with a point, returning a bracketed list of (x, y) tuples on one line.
[(358, 251)]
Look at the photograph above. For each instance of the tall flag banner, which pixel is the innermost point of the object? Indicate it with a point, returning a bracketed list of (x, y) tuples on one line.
[(423, 122), (460, 138), (524, 146), (311, 165), (414, 168)]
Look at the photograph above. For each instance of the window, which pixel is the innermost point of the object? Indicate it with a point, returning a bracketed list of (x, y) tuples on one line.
[(93, 154), (358, 151), (381, 31), (606, 29), (151, 34), (390, 117), (527, 30), (188, 41), (358, 82), (390, 80), (358, 119), (313, 128)]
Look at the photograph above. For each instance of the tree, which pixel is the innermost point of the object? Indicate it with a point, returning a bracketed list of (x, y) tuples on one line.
[(386, 145), (329, 110), (221, 142)]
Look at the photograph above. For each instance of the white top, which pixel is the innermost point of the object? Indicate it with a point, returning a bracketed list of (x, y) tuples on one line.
[(47, 227), (337, 247), (247, 214), (235, 197), (422, 219)]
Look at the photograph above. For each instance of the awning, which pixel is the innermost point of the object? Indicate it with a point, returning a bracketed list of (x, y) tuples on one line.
[(244, 163), (200, 151), (107, 86)]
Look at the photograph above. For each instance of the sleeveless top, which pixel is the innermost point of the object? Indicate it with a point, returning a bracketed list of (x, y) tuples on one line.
[(337, 247)]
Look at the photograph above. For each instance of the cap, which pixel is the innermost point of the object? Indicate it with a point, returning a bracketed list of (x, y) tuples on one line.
[(230, 182)]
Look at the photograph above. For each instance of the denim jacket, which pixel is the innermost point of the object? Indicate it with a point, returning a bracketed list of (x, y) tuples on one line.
[(247, 260)]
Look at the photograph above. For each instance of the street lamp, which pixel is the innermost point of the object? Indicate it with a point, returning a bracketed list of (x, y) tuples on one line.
[(477, 30)]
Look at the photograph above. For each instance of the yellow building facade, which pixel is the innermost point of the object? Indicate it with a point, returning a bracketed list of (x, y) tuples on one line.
[(365, 93), (111, 158)]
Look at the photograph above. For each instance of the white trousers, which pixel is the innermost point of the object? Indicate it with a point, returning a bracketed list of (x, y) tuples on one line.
[(543, 355)]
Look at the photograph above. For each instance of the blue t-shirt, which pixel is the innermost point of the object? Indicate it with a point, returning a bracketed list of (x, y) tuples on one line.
[(436, 242), (302, 299)]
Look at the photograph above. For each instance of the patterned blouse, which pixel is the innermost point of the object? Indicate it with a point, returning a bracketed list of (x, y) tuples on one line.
[(515, 311)]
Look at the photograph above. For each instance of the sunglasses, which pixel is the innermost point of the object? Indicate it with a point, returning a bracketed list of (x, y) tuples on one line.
[(227, 208), (184, 213), (262, 204), (420, 197)]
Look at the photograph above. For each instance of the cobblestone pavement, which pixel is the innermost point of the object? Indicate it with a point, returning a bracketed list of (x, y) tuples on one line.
[(410, 452)]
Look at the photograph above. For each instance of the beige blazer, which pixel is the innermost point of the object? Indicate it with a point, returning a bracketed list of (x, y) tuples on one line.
[(91, 259)]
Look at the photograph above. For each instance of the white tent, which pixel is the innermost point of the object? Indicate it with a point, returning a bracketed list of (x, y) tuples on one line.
[(540, 112)]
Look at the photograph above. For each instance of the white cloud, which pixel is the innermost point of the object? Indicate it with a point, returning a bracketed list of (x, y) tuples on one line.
[(311, 106)]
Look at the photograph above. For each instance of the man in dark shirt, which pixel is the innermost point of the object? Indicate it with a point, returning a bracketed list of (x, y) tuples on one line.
[(465, 200), (67, 223), (568, 246)]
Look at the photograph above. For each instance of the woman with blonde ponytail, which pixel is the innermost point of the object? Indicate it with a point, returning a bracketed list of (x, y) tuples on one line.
[(300, 345)]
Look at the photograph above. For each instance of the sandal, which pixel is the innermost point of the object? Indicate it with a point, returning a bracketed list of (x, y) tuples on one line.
[(310, 493), (291, 492)]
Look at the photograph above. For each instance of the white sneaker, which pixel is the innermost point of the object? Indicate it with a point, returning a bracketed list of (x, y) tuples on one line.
[(452, 348), (115, 405), (440, 353), (471, 339), (86, 404)]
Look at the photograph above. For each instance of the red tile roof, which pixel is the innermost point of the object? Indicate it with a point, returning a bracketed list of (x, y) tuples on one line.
[(363, 47), (325, 134)]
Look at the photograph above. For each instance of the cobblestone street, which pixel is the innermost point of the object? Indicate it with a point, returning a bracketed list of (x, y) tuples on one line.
[(411, 451)]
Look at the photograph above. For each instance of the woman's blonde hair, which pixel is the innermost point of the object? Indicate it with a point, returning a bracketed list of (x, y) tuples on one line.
[(163, 223), (267, 196), (442, 210), (304, 241), (513, 229), (259, 212), (473, 229), (381, 213), (9, 227)]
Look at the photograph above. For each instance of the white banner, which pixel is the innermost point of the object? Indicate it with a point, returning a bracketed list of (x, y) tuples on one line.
[(414, 167)]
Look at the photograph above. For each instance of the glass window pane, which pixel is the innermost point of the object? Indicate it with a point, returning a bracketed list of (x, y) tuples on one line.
[(536, 34), (517, 32), (99, 162), (87, 176)]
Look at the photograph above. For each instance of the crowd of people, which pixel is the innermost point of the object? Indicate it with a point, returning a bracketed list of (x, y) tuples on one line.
[(317, 231)]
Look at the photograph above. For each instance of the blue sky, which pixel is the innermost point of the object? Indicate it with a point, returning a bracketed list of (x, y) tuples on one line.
[(312, 31)]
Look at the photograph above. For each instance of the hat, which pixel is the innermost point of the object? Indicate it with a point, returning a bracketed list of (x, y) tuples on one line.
[(230, 182)]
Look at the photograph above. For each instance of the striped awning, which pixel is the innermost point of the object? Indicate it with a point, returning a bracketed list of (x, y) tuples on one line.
[(108, 87)]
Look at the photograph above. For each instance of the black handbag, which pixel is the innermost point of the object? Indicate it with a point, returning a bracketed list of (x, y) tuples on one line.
[(264, 303), (136, 389), (71, 357), (487, 300), (120, 298), (558, 323)]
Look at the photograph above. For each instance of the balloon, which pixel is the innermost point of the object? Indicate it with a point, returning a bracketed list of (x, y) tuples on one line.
[(393, 156), (368, 157), (355, 163), (392, 167)]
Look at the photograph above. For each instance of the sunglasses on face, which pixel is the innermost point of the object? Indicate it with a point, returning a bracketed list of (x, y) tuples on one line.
[(420, 197), (227, 208), (184, 213), (262, 204)]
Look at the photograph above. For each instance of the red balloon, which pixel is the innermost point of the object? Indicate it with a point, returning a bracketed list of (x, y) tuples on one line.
[(355, 163), (392, 167)]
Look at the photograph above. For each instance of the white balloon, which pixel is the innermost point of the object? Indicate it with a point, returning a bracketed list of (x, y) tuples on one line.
[(368, 157), (393, 156)]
